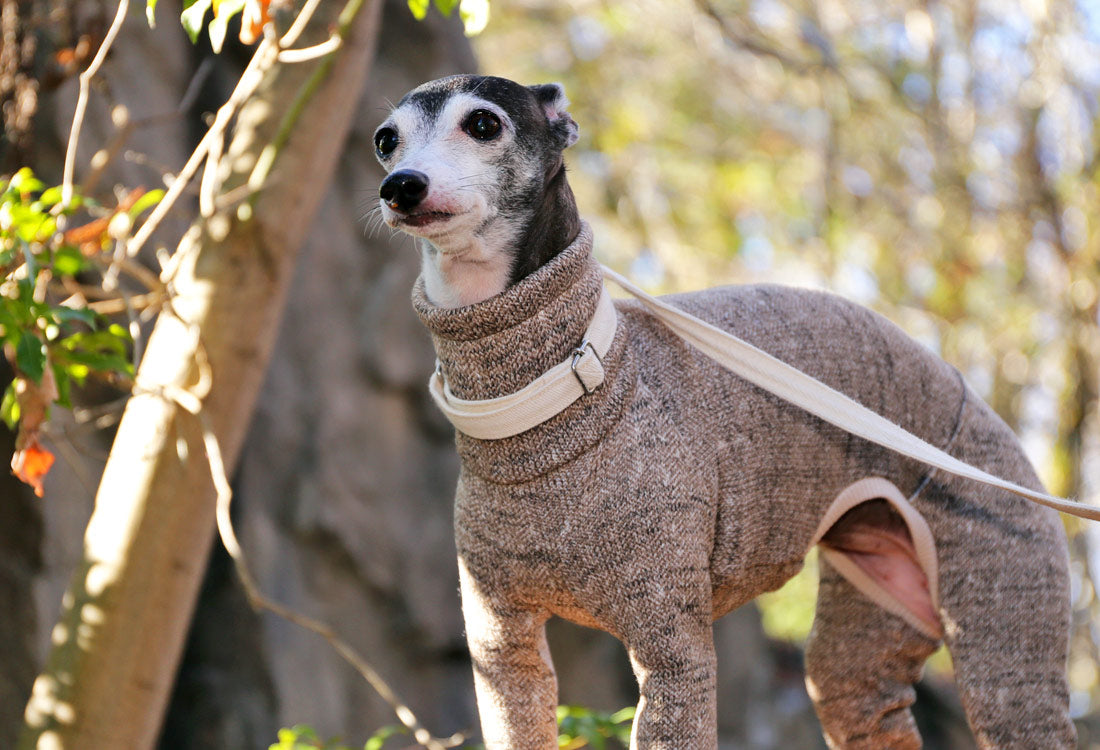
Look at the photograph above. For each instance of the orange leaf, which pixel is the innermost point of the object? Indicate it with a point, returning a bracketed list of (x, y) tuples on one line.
[(253, 18), (31, 464), (91, 237), (88, 237)]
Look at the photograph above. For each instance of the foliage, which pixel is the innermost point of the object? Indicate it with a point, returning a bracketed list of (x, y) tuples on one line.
[(52, 345), (581, 727), (474, 13), (578, 727), (254, 14)]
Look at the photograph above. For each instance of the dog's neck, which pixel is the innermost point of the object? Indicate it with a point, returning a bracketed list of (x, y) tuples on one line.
[(552, 228), (499, 255), (500, 345)]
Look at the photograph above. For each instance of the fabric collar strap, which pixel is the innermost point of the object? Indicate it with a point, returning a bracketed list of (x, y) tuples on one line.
[(582, 373), (546, 396)]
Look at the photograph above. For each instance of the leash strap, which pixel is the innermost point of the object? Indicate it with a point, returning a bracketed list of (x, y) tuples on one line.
[(793, 385), (557, 388), (543, 398)]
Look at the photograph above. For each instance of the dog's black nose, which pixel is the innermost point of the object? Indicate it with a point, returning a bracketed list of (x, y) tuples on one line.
[(403, 190)]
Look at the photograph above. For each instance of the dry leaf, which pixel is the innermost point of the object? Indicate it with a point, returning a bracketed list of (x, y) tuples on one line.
[(31, 461), (90, 237), (31, 464)]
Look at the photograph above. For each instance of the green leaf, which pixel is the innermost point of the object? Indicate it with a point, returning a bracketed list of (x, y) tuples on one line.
[(192, 17), (446, 6), (474, 15), (24, 181), (419, 8), (219, 26), (77, 372), (150, 13), (68, 261), (623, 714), (146, 201), (30, 356), (9, 407), (30, 225), (99, 351), (63, 381), (119, 332), (70, 314), (379, 738), (51, 196)]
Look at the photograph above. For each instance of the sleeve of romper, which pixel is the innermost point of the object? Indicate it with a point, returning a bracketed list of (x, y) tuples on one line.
[(513, 675), (861, 663)]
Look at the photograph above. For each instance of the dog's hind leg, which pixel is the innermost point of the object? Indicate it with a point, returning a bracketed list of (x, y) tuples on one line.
[(1004, 607), (861, 663), (1003, 593)]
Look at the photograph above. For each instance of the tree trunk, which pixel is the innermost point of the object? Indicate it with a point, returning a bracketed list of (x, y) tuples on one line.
[(126, 612)]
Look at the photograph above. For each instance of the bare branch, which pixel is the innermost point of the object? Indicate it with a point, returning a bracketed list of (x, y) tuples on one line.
[(265, 55), (311, 53), (224, 491), (299, 25), (82, 102)]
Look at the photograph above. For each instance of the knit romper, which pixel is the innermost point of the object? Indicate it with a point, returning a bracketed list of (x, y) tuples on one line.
[(677, 492)]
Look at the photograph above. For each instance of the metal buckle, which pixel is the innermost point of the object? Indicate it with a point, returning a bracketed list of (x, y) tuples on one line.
[(577, 354)]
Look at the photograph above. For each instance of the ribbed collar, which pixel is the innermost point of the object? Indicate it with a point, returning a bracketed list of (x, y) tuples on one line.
[(498, 346)]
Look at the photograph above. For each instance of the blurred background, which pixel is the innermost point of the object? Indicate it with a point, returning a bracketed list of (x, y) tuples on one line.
[(936, 161)]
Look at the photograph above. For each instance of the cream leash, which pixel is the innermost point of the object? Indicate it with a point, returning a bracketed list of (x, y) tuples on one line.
[(551, 393)]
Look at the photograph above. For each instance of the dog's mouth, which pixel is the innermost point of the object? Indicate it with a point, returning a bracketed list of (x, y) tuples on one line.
[(424, 218)]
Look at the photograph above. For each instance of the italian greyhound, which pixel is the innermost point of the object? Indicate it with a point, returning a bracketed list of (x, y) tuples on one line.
[(667, 491)]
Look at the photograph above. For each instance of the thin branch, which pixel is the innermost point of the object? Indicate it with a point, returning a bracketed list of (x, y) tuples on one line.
[(299, 25), (70, 454), (192, 404), (82, 102), (311, 53), (262, 59), (209, 183), (138, 303), (751, 44), (122, 135)]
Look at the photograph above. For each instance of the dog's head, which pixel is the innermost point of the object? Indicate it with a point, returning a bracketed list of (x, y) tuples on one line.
[(471, 160)]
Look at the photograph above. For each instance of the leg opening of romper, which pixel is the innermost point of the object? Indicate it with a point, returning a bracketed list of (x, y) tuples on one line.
[(879, 542)]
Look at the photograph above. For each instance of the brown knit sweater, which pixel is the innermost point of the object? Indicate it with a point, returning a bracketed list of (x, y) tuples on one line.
[(677, 492)]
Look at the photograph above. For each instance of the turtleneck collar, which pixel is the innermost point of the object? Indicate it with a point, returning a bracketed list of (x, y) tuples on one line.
[(498, 346)]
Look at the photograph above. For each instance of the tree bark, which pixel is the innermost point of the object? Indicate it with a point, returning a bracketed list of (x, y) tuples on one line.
[(126, 611)]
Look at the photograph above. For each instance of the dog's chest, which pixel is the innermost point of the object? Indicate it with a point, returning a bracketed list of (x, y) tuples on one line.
[(577, 541)]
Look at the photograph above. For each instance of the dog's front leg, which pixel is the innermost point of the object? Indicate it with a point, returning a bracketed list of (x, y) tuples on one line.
[(673, 658), (517, 690)]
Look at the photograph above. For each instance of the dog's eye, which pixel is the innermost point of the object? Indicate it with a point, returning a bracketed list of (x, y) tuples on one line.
[(385, 141), (482, 125)]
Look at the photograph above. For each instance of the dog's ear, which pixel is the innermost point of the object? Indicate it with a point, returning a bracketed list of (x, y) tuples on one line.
[(551, 97)]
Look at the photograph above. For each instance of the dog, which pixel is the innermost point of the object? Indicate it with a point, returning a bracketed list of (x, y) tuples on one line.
[(666, 491)]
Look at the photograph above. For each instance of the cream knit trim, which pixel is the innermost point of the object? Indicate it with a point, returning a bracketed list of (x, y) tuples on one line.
[(924, 545), (543, 398)]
